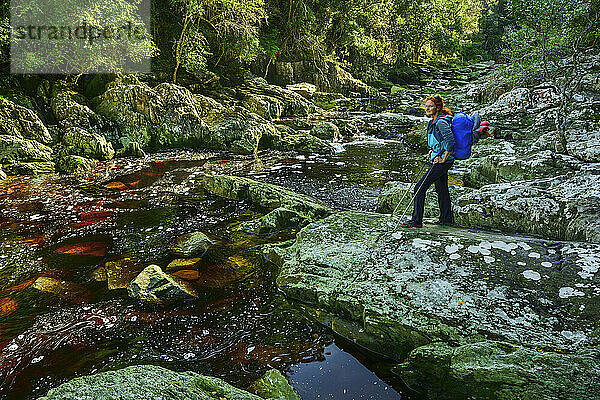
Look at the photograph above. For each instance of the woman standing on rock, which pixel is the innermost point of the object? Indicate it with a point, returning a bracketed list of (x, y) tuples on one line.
[(440, 139)]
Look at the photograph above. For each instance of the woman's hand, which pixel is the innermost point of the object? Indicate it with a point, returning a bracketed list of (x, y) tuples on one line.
[(441, 160)]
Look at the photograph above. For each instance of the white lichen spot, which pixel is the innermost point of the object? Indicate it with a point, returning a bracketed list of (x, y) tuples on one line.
[(13, 347), (565, 292), (397, 235), (552, 251), (484, 252), (576, 337), (473, 249), (454, 256), (521, 263), (421, 243), (500, 245), (489, 259), (451, 248), (524, 246), (533, 254), (546, 264), (533, 275), (485, 245)]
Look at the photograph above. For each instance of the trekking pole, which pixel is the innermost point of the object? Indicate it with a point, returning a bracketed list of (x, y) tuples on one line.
[(408, 189), (413, 198)]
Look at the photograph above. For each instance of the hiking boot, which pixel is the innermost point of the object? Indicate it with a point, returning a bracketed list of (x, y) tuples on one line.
[(440, 223), (412, 224)]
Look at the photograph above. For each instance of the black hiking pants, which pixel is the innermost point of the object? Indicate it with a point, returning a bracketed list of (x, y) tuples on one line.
[(437, 174)]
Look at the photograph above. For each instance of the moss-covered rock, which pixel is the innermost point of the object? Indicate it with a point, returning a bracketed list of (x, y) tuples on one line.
[(72, 164), (153, 285), (395, 291), (21, 122), (273, 385), (33, 168), (503, 371), (88, 144), (147, 382), (14, 149), (191, 244), (326, 131), (287, 139), (264, 194)]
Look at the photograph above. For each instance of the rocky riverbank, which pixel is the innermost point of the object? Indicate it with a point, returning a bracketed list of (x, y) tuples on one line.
[(466, 313)]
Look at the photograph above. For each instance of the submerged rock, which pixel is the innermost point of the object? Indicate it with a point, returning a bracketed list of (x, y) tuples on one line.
[(153, 285), (288, 208), (147, 382), (191, 244), (397, 291), (273, 385)]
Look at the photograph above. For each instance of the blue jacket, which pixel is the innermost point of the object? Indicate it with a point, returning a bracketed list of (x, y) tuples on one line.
[(440, 137)]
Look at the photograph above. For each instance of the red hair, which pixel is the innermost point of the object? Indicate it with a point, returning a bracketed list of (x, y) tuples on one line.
[(439, 104)]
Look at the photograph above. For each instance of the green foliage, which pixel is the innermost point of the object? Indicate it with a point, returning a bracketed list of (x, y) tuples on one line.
[(547, 31), (76, 55)]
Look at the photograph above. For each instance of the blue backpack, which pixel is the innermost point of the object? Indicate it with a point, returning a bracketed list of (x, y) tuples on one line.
[(463, 127)]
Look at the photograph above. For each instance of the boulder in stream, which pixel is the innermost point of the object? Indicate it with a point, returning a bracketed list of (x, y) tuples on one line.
[(147, 382), (191, 244), (288, 208), (486, 310), (153, 285), (326, 131), (273, 385)]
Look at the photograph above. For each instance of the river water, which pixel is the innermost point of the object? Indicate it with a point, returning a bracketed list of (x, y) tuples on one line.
[(59, 319)]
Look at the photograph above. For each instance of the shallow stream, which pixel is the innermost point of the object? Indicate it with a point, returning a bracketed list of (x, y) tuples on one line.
[(60, 320)]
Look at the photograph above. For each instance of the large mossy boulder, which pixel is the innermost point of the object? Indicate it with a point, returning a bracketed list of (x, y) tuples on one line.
[(20, 122), (403, 291), (288, 139), (14, 149), (291, 206), (326, 131), (147, 382), (237, 129), (33, 168), (88, 144)]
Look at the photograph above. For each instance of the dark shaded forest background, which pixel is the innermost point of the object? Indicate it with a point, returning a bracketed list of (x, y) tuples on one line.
[(376, 41)]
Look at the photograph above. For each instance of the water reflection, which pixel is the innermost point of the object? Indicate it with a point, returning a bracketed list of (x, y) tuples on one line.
[(61, 316)]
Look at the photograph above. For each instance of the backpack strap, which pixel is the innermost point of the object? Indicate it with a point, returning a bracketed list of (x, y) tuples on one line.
[(436, 131)]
